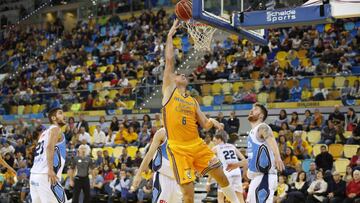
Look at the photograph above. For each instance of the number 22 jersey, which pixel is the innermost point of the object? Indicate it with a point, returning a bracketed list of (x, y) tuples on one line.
[(40, 165), (227, 154)]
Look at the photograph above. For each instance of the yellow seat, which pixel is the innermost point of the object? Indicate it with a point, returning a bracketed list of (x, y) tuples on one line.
[(27, 109), (314, 136), (305, 62), (283, 63), (102, 69), (302, 54), (140, 74), (328, 82), (347, 134), (20, 110), (109, 149), (336, 150), (315, 82), (236, 86), (207, 100), (249, 86), (304, 136), (130, 104), (281, 55), (113, 93), (334, 95), (340, 165), (118, 151), (262, 98), (92, 130), (13, 109), (35, 108), (177, 42), (106, 84), (350, 150), (228, 99), (276, 134), (75, 107), (352, 80), (226, 88), (229, 58), (339, 82), (317, 149), (255, 75), (131, 150), (42, 107), (199, 100), (258, 84), (103, 93), (89, 63), (216, 88), (205, 89), (133, 83), (98, 86), (94, 152)]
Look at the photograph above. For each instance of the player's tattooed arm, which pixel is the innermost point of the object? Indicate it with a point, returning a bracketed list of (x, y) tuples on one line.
[(265, 132)]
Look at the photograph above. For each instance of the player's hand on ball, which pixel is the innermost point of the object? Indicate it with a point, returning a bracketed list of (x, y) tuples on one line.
[(174, 27), (279, 164), (232, 166), (52, 177)]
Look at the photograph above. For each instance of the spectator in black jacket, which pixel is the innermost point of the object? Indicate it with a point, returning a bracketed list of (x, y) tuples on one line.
[(336, 189), (82, 123), (298, 190), (233, 123), (328, 134), (324, 160)]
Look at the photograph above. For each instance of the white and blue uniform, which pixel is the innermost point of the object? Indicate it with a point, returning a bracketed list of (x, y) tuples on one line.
[(227, 154), (261, 169), (41, 190), (165, 187)]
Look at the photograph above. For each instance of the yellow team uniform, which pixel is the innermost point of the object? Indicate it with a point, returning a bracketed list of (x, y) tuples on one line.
[(187, 151)]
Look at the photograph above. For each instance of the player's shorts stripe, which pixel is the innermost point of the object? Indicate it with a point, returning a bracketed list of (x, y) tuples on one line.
[(58, 192), (156, 188), (209, 168), (175, 169), (262, 192)]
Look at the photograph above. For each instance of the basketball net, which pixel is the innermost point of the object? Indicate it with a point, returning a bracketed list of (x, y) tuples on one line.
[(201, 33)]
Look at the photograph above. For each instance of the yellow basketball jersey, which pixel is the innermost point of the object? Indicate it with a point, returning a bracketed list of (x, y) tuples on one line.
[(179, 115)]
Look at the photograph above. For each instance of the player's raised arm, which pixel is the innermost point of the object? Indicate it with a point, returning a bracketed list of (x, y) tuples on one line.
[(54, 137), (169, 75), (266, 134), (207, 123), (157, 140)]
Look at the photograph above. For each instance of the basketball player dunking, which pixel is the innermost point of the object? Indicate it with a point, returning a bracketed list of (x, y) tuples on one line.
[(263, 158), (49, 162), (181, 113)]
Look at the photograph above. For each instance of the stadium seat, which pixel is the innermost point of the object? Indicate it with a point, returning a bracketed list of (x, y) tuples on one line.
[(315, 82), (27, 109), (305, 62), (199, 99), (328, 82), (248, 85), (109, 149), (340, 165), (334, 95), (20, 110), (304, 136), (336, 150), (35, 108), (207, 100), (94, 152), (276, 134), (314, 136), (75, 107), (228, 99), (113, 93), (317, 150), (283, 64), (219, 99), (302, 54), (13, 109), (133, 83), (306, 164), (205, 89), (262, 97), (130, 104), (339, 82), (236, 86), (305, 82), (255, 75), (257, 85), (118, 151), (272, 97), (347, 134), (226, 88), (216, 88), (92, 130), (350, 150), (352, 80), (42, 107), (131, 150), (281, 55), (106, 84)]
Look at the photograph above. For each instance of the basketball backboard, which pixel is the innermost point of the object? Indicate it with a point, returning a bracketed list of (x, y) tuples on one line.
[(251, 18)]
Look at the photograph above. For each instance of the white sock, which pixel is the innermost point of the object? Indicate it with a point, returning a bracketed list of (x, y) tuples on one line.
[(230, 194)]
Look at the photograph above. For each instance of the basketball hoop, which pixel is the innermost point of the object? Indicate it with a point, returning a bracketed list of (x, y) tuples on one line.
[(201, 33)]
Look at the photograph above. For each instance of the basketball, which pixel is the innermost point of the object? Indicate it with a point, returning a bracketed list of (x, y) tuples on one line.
[(183, 10)]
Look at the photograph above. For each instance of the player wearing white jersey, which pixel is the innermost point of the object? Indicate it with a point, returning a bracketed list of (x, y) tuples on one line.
[(263, 158), (49, 160), (228, 154), (165, 187)]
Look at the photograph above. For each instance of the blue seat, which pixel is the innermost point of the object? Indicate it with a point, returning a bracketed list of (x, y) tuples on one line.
[(103, 31), (295, 63), (305, 82), (357, 24), (355, 69), (219, 100), (315, 61), (306, 164), (349, 26), (110, 60), (89, 49), (271, 56), (320, 28)]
